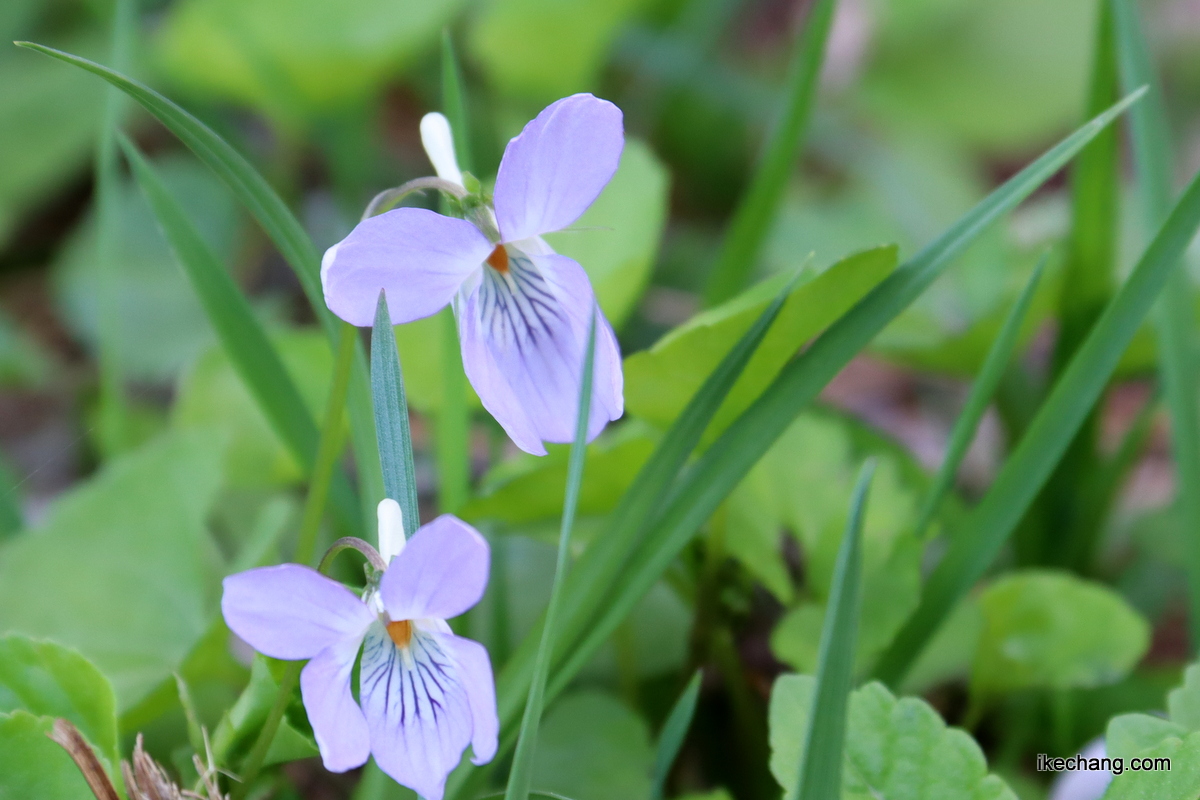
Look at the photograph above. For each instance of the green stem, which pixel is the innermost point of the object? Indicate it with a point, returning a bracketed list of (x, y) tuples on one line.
[(329, 447), (262, 744)]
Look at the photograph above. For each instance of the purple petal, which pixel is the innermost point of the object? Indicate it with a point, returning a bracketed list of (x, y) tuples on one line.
[(291, 612), (337, 721), (417, 708), (418, 257), (441, 572), (476, 675), (523, 336), (557, 166)]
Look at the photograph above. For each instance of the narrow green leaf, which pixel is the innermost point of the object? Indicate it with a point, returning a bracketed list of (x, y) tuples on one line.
[(280, 225), (11, 518), (820, 772), (1046, 438), (673, 733), (521, 776), (1175, 317), (454, 103), (980, 397), (391, 418), (1089, 270), (724, 464), (241, 335), (756, 211)]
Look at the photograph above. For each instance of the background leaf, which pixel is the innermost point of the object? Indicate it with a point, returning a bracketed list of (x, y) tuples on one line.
[(49, 680), (895, 748), (1053, 630), (33, 766), (133, 579)]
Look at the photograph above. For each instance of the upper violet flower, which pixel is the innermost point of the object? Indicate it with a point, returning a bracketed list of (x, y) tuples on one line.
[(523, 310), (424, 693)]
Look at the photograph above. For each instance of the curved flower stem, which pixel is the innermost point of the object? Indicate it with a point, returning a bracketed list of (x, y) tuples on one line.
[(329, 447), (388, 198)]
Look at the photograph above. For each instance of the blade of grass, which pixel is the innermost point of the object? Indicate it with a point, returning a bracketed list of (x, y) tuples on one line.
[(980, 397), (1058, 527), (241, 335), (1175, 318), (391, 419), (756, 210), (820, 768), (745, 441), (454, 104), (621, 566), (674, 731), (1059, 418), (454, 417), (253, 191), (520, 777), (11, 518), (114, 408)]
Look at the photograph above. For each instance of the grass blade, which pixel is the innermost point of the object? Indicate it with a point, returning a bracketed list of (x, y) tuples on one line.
[(1059, 418), (745, 441), (756, 211), (1175, 318), (980, 397), (241, 335), (11, 518), (820, 773), (391, 418), (673, 733), (284, 230), (454, 104), (521, 776)]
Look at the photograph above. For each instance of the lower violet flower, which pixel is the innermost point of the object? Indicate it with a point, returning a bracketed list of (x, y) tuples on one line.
[(424, 693)]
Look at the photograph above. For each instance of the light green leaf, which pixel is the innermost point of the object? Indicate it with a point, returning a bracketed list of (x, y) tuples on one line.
[(545, 49), (591, 747), (803, 485), (529, 488), (211, 395), (895, 748), (1040, 631), (161, 324), (951, 651), (294, 59), (1179, 782), (1128, 735), (1183, 704), (32, 766), (124, 569), (617, 238), (49, 680), (973, 84), (660, 381)]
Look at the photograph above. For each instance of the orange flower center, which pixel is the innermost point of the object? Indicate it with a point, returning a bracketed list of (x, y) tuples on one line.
[(401, 632), (498, 260)]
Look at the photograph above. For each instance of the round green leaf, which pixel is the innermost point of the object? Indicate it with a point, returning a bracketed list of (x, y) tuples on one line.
[(1047, 629), (32, 766)]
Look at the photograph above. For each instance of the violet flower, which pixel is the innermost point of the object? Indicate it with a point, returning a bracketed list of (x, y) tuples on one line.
[(424, 693), (523, 310)]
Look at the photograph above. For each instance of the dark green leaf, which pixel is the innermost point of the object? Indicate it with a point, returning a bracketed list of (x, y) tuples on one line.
[(674, 731), (391, 419)]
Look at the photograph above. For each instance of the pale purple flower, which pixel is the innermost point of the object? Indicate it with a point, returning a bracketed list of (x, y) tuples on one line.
[(523, 310), (425, 694)]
